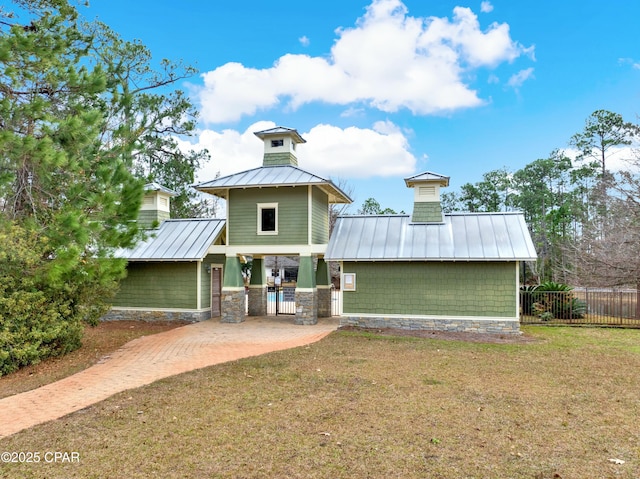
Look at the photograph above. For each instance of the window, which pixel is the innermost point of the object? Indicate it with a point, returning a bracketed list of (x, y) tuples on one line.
[(275, 143), (267, 218)]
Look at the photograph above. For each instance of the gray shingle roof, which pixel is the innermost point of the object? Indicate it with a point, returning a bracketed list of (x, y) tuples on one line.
[(176, 240), (284, 175), (461, 237)]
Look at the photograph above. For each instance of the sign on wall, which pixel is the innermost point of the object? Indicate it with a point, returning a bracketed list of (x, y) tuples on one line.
[(348, 281)]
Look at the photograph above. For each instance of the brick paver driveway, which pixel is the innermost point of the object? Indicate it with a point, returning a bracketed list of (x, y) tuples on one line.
[(154, 357)]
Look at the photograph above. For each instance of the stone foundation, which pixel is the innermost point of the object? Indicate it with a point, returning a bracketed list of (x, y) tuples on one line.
[(257, 301), (306, 307), (470, 325), (324, 302), (137, 315), (232, 306)]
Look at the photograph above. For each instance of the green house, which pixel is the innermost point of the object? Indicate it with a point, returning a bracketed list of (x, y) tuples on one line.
[(427, 270), (277, 209), (457, 272)]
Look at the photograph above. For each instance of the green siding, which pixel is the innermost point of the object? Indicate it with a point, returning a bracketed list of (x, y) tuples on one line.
[(427, 212), (320, 217), (446, 288), (152, 218), (158, 285), (292, 215), (279, 159)]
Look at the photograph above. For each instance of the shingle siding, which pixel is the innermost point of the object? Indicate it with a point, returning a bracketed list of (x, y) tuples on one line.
[(292, 215), (158, 285), (320, 219), (447, 289)]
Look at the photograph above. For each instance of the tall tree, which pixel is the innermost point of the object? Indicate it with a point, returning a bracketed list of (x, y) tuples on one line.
[(489, 195), (541, 192), (603, 132), (156, 117), (72, 126)]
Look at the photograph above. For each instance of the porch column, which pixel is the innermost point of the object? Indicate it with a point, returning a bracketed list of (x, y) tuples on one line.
[(257, 289), (232, 292), (323, 282), (306, 293)]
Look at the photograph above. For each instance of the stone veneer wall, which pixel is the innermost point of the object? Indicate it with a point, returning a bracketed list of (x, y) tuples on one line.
[(324, 301), (233, 306), (257, 301), (468, 325), (143, 315), (306, 307)]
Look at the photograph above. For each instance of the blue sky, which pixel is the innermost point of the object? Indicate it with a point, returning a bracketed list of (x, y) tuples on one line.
[(385, 89)]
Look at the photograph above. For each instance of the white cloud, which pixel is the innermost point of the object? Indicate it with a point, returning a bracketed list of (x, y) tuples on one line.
[(618, 158), (330, 151), (304, 41), (486, 7), (388, 61), (629, 61), (519, 78)]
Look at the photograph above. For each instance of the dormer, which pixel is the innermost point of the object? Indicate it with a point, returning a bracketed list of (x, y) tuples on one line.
[(156, 205), (426, 196), (280, 146)]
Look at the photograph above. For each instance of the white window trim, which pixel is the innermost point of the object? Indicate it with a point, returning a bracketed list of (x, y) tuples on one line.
[(263, 206), (348, 281)]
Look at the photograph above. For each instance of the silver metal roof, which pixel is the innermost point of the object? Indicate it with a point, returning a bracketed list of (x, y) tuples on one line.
[(279, 131), (282, 175), (427, 176), (159, 187), (461, 237), (176, 240)]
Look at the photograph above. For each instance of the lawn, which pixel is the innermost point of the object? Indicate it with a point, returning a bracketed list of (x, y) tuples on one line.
[(358, 405)]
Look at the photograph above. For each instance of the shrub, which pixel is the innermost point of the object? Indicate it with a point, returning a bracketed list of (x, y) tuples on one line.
[(39, 318), (551, 300)]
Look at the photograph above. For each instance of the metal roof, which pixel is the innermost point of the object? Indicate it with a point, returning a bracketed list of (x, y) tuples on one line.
[(264, 176), (461, 237), (279, 131), (427, 176), (176, 240), (159, 187)]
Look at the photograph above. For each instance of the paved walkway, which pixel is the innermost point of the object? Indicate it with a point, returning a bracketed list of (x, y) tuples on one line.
[(147, 359)]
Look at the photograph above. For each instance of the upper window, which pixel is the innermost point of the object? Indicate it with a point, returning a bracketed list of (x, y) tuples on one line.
[(267, 218), (275, 143)]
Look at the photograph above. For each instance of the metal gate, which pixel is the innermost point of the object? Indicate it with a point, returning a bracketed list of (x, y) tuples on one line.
[(281, 300)]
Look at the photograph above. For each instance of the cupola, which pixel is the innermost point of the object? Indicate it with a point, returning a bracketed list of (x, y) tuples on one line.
[(426, 202), (280, 146), (156, 205)]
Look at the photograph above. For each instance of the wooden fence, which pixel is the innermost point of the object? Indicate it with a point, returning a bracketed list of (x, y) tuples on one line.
[(583, 306)]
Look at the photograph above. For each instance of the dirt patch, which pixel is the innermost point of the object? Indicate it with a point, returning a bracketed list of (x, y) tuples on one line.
[(448, 335)]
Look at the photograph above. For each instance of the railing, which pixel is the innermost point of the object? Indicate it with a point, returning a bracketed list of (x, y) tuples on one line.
[(605, 307)]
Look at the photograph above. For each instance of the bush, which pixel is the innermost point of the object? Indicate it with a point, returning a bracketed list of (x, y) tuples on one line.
[(551, 300), (39, 318)]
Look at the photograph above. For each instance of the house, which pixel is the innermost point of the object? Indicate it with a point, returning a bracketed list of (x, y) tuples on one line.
[(427, 270), (277, 209)]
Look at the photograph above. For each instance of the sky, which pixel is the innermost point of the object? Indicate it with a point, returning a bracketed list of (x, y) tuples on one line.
[(385, 89)]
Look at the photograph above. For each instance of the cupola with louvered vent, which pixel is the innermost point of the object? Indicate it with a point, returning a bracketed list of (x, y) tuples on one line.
[(426, 202)]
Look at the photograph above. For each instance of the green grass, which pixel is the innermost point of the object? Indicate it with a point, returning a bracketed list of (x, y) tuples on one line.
[(358, 405)]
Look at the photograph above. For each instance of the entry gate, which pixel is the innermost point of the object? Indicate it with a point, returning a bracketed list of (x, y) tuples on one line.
[(281, 300)]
